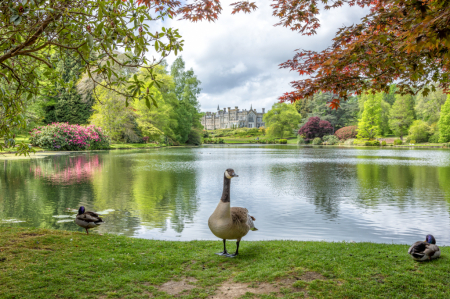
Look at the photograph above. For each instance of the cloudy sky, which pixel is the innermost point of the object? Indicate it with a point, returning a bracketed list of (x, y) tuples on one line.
[(237, 57)]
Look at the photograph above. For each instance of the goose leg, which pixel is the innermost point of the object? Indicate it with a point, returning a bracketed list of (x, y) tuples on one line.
[(237, 249), (87, 231), (225, 252)]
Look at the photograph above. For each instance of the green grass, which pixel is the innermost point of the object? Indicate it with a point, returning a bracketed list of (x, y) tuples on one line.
[(134, 145), (41, 263)]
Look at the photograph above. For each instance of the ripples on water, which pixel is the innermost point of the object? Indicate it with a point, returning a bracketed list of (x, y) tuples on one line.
[(333, 194)]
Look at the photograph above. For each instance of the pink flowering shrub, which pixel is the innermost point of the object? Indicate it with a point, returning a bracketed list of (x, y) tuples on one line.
[(65, 137)]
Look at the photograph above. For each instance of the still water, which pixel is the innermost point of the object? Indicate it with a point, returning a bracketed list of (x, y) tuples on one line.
[(297, 193)]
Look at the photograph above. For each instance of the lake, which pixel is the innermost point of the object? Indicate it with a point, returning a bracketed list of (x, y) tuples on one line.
[(384, 195)]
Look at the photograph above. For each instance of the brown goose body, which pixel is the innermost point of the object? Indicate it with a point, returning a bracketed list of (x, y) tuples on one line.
[(230, 223)]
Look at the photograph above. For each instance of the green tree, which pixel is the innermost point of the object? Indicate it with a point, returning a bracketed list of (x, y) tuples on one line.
[(91, 31), (186, 89), (369, 123), (401, 115), (66, 104), (117, 122), (282, 119), (384, 118), (444, 122), (428, 108), (346, 115), (419, 131)]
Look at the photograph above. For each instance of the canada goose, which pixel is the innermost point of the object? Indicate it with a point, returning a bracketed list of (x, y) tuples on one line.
[(425, 250), (230, 223), (87, 219)]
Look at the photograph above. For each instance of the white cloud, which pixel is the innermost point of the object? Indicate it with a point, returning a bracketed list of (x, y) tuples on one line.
[(237, 58)]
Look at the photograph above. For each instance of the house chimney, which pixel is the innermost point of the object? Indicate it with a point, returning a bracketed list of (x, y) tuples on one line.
[(263, 109), (224, 110)]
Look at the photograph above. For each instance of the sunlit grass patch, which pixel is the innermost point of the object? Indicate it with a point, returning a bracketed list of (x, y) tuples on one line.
[(48, 263)]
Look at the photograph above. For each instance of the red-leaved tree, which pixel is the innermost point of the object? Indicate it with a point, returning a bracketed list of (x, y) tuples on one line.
[(315, 127), (347, 132)]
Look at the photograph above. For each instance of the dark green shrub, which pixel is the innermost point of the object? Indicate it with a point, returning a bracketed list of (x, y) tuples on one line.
[(282, 141), (383, 143), (368, 143), (194, 137), (398, 142), (376, 143)]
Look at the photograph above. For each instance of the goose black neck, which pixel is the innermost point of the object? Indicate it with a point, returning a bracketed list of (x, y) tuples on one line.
[(226, 190)]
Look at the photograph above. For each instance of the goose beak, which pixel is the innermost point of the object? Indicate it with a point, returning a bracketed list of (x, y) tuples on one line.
[(235, 175)]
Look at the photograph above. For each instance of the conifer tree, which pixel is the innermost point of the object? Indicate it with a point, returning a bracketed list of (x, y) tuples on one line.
[(66, 104), (401, 115), (369, 123), (444, 122)]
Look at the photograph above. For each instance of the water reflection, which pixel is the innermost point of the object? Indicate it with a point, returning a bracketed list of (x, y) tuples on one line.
[(379, 195)]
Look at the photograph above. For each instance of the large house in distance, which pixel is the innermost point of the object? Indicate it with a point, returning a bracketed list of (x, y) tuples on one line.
[(233, 118)]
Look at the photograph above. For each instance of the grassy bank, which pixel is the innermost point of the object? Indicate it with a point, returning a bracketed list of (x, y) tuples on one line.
[(40, 263)]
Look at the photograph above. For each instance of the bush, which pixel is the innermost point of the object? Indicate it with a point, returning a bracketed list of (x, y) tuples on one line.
[(282, 141), (300, 140), (347, 132), (434, 138), (412, 141), (315, 127), (145, 139), (372, 143), (419, 131), (214, 141), (398, 142), (317, 141), (205, 134), (65, 137), (194, 137), (349, 141), (330, 139), (383, 143)]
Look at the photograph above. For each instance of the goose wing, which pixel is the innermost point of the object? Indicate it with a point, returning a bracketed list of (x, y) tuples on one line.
[(240, 216)]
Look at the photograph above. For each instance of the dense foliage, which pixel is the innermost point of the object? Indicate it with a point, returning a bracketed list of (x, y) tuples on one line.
[(174, 121), (419, 131), (31, 32), (444, 122), (65, 137), (281, 120), (315, 127), (369, 123), (398, 41), (402, 115), (347, 132), (65, 103)]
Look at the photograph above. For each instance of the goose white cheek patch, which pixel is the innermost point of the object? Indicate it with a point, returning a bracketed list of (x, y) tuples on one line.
[(227, 175)]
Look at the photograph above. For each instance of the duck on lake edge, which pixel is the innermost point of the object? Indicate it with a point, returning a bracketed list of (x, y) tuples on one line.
[(230, 223), (87, 219), (425, 250)]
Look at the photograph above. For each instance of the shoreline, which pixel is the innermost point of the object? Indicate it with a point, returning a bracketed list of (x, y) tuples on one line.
[(44, 263)]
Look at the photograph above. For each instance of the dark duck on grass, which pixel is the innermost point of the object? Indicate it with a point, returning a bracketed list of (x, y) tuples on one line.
[(87, 219), (425, 250), (229, 223)]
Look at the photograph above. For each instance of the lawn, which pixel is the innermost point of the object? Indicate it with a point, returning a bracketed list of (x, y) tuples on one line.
[(42, 263)]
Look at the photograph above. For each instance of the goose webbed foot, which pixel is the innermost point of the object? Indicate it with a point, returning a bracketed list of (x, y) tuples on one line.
[(224, 252), (237, 251)]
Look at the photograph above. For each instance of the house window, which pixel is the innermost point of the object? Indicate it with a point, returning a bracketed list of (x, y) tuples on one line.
[(250, 118)]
